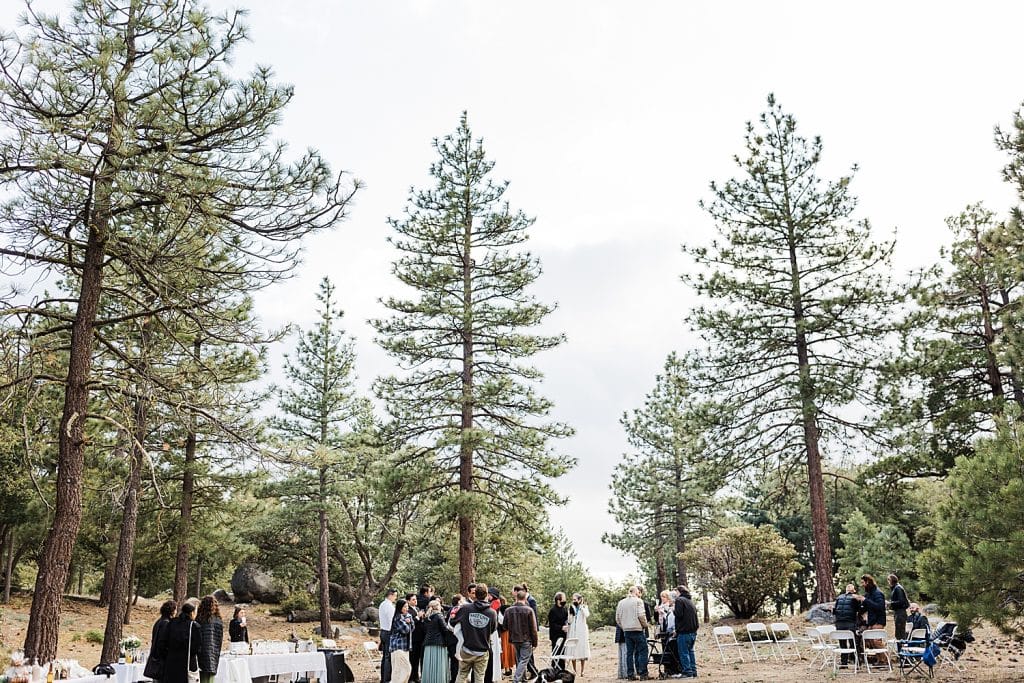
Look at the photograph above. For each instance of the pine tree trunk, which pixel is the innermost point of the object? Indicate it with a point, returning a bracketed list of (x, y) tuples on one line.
[(322, 566), (9, 569), (680, 528), (81, 581), (55, 557), (181, 558), (108, 577), (133, 594), (467, 527), (661, 573), (707, 605), (124, 564), (199, 576)]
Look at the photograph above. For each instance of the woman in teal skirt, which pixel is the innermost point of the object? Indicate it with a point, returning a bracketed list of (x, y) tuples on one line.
[(435, 647)]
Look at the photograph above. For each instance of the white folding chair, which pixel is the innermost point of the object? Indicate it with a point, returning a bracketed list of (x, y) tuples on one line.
[(843, 643), (819, 648), (782, 636), (946, 657), (878, 635), (757, 636), (726, 637), (563, 649), (372, 650)]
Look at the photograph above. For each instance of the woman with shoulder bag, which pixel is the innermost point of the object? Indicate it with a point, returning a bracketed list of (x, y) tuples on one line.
[(181, 663)]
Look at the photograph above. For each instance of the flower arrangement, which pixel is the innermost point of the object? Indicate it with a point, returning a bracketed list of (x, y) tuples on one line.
[(131, 643)]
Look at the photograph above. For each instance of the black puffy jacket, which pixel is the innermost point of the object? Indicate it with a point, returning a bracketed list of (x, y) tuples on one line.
[(845, 611), (211, 638)]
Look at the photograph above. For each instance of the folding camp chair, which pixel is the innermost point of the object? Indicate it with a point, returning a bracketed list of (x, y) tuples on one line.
[(910, 655), (781, 634), (877, 651), (372, 650), (949, 654), (843, 643), (757, 635), (819, 648), (725, 637)]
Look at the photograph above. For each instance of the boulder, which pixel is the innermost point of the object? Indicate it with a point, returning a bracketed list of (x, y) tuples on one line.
[(250, 583), (299, 616), (370, 615), (223, 596), (337, 596), (930, 608), (821, 613)]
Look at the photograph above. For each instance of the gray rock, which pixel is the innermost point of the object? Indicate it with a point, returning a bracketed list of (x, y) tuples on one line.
[(223, 596), (250, 583), (931, 608), (370, 615), (821, 613)]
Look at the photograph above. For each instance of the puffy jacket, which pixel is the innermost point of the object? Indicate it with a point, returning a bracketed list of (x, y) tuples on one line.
[(845, 611), (211, 637)]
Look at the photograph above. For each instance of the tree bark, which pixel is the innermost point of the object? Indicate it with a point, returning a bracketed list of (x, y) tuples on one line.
[(322, 566), (133, 594), (707, 605), (180, 592), (467, 526), (661, 573), (199, 576), (108, 577), (9, 568)]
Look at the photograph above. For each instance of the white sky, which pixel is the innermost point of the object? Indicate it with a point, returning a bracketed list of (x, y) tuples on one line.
[(610, 119)]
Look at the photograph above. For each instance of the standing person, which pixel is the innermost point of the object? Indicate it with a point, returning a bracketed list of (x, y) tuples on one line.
[(521, 626), (454, 641), (181, 651), (416, 649), (872, 602), (508, 655), (402, 627), (664, 610), (386, 615), (579, 633), (558, 625), (684, 613), (211, 631), (631, 617), (477, 622), (899, 603), (157, 645), (435, 647), (845, 611), (238, 627)]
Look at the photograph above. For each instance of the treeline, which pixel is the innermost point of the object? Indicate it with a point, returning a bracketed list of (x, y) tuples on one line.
[(145, 202), (871, 419)]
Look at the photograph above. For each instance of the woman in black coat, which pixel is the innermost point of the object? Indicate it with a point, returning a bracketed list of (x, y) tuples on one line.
[(157, 645), (238, 630), (211, 632), (181, 650), (558, 624)]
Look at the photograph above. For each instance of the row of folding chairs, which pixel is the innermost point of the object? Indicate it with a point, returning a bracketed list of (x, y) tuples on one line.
[(830, 646), (774, 641)]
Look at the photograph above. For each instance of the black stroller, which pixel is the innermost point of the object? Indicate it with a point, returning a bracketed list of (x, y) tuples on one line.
[(665, 653)]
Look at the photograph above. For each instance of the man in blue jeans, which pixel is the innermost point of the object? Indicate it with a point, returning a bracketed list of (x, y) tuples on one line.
[(686, 631), (631, 617)]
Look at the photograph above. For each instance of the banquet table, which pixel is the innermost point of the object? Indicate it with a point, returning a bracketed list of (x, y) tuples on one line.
[(93, 678), (129, 673), (244, 668)]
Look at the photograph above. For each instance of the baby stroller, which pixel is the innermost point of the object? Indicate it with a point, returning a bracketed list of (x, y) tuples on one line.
[(665, 653)]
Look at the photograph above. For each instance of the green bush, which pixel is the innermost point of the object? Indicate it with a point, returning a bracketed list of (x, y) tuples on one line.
[(296, 601), (94, 636), (743, 566)]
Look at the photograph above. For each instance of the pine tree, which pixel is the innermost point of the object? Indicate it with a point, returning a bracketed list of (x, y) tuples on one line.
[(114, 111), (798, 301), (316, 407), (464, 395)]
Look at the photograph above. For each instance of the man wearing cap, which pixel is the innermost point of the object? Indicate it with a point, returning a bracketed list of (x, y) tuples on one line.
[(386, 614)]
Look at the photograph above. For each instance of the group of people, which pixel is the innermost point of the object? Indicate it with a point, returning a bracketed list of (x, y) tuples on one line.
[(477, 635), (675, 624), (858, 612), (189, 642)]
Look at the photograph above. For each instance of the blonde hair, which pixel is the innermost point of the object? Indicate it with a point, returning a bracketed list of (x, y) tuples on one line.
[(433, 607)]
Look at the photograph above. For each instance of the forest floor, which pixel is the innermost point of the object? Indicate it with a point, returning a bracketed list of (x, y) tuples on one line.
[(992, 657)]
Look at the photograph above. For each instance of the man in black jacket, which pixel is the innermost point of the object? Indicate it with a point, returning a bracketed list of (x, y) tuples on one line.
[(686, 631), (521, 623), (899, 603), (478, 621)]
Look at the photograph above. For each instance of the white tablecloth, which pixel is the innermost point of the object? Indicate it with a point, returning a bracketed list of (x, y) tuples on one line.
[(129, 673), (93, 679), (244, 668)]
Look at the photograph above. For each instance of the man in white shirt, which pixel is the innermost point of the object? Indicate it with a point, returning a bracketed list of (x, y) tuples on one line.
[(386, 614)]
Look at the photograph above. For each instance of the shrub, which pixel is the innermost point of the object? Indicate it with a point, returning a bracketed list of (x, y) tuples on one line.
[(743, 565), (94, 636), (297, 600)]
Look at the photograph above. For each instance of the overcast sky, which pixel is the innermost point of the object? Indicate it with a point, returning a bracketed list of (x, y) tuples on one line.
[(610, 119)]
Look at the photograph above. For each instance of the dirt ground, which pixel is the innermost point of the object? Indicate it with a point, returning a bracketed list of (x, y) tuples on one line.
[(991, 658)]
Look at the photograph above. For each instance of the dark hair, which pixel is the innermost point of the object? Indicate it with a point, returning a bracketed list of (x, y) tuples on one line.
[(481, 591), (237, 610), (893, 580), (209, 609), (870, 581), (168, 609), (525, 587), (457, 599), (425, 587), (187, 609), (391, 591), (399, 604)]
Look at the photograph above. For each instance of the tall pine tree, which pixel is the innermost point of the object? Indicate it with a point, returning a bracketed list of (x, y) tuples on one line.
[(798, 301), (464, 394)]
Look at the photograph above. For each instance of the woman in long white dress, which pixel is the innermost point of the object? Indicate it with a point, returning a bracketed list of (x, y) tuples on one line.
[(578, 639)]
